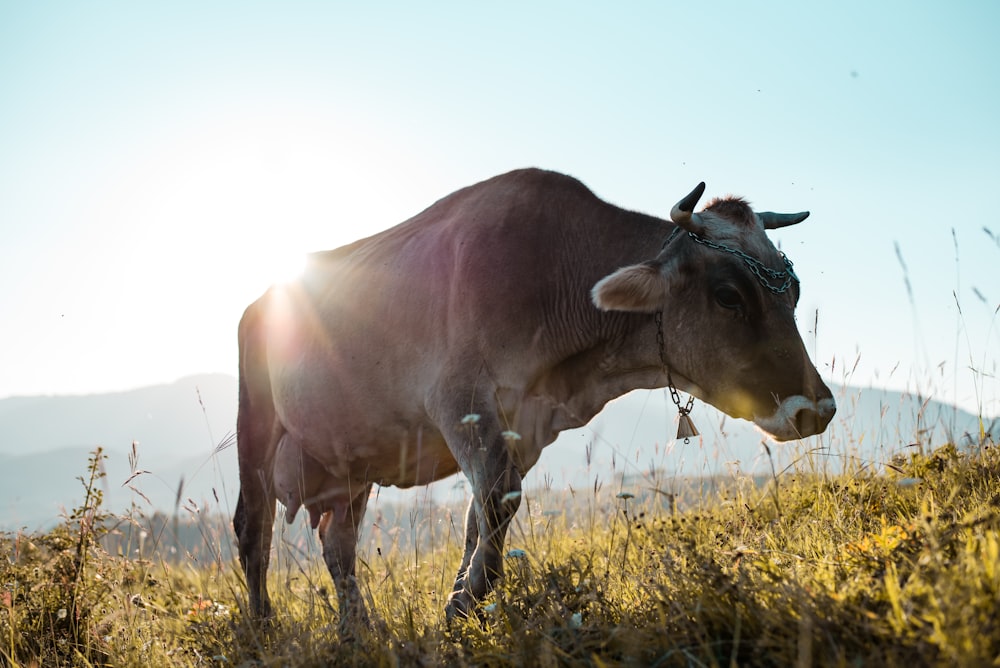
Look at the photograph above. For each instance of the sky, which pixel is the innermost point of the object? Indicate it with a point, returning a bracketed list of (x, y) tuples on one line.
[(162, 163)]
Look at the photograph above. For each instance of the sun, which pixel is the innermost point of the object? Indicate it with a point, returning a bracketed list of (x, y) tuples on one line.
[(284, 267)]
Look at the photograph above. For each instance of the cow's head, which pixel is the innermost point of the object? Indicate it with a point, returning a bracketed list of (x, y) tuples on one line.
[(727, 298)]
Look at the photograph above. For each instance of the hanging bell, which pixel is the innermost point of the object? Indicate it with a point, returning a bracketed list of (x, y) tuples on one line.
[(685, 428)]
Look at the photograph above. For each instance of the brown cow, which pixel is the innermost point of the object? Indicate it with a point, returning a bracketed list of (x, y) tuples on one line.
[(466, 338)]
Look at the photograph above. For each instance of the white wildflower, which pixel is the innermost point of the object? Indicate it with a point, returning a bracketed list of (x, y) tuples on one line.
[(510, 496)]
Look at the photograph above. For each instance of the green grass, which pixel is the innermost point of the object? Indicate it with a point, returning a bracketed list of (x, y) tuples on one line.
[(900, 569)]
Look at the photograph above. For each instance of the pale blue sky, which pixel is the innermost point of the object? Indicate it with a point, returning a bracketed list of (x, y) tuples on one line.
[(160, 165)]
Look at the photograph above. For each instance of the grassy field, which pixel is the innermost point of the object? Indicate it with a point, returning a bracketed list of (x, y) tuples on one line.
[(899, 568)]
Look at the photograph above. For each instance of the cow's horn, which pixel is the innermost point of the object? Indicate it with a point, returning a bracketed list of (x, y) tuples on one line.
[(773, 221), (682, 211)]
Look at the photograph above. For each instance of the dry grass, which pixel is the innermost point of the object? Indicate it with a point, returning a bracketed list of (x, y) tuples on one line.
[(812, 569)]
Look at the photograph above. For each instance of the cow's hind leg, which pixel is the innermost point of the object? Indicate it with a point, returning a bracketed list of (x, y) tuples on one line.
[(338, 531), (257, 430), (254, 517), (254, 524)]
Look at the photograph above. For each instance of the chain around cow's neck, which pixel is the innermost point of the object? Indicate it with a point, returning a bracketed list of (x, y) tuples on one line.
[(685, 425)]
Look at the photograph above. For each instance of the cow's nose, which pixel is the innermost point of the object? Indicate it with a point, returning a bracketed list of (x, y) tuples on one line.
[(810, 420)]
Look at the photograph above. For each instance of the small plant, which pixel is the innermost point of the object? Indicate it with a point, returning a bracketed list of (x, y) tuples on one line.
[(61, 590), (52, 589)]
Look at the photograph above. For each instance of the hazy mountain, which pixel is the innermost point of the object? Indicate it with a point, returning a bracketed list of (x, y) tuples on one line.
[(182, 430), (635, 435), (184, 418), (45, 442)]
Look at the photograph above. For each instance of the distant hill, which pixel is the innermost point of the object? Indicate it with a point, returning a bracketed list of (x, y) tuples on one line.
[(183, 418), (182, 430), (634, 435), (45, 442)]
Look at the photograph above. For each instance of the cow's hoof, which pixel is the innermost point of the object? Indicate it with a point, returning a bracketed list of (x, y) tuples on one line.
[(352, 630), (261, 613), (460, 603)]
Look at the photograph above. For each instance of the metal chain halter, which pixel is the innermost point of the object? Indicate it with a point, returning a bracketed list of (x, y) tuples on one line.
[(763, 273)]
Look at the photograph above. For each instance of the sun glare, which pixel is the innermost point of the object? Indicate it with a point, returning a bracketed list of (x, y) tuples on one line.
[(285, 268)]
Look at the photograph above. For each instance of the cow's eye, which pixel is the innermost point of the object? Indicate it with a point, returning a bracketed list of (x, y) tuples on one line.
[(728, 298)]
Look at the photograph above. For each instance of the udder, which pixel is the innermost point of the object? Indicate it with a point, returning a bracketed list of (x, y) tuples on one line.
[(298, 480)]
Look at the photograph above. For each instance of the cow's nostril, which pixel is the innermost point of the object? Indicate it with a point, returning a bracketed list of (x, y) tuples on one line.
[(809, 421), (806, 421)]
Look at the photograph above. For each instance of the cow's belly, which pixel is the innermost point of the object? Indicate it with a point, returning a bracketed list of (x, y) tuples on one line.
[(383, 455), (300, 479), (364, 423), (355, 444), (358, 416), (413, 456)]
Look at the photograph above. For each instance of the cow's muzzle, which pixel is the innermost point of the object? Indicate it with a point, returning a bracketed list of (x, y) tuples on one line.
[(798, 417)]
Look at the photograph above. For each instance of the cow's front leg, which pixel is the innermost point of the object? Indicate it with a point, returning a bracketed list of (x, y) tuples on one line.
[(338, 531), (471, 541), (496, 488)]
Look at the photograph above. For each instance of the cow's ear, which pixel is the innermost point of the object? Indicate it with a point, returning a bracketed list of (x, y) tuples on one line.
[(639, 287)]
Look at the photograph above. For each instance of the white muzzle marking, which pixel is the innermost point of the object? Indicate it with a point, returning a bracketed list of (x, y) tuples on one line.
[(797, 417)]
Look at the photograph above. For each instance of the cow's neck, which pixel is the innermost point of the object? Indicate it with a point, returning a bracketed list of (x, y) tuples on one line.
[(622, 360)]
